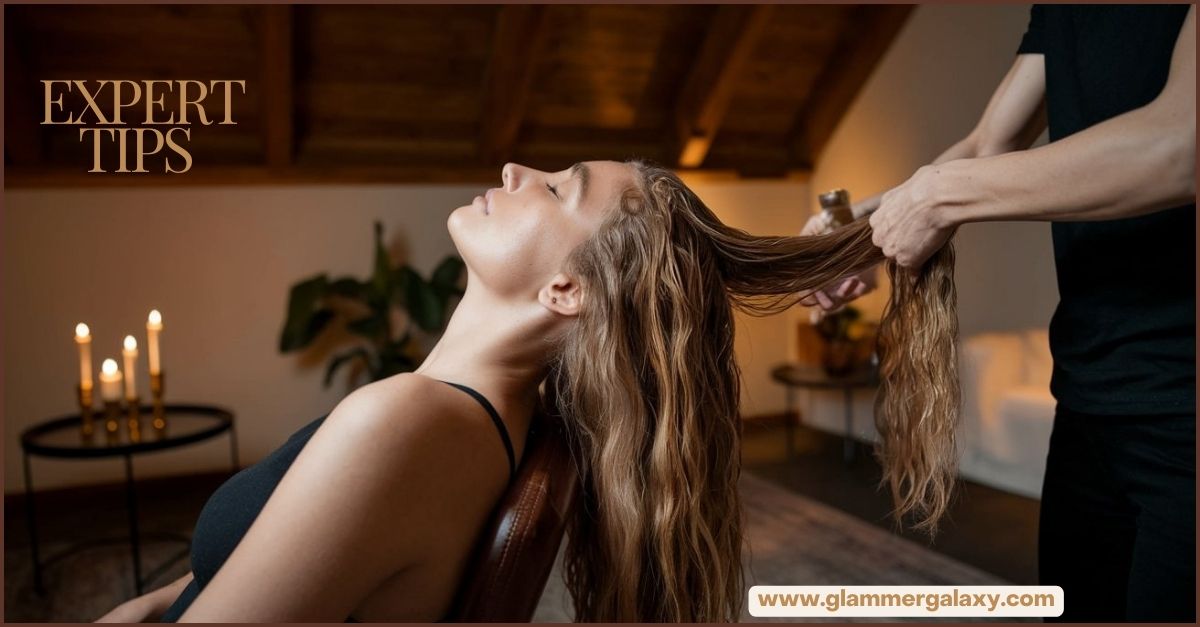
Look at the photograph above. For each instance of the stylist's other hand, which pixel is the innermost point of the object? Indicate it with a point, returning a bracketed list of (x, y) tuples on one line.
[(834, 296), (909, 225)]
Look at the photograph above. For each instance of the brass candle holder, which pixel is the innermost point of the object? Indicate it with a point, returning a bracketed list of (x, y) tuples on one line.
[(87, 426), (112, 413), (156, 392), (133, 418)]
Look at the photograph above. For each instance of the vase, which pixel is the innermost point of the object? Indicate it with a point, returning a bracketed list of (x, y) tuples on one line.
[(840, 357)]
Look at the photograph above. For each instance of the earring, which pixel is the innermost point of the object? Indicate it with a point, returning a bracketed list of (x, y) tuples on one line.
[(554, 300)]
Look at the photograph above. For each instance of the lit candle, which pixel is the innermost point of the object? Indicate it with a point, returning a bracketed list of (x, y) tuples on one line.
[(153, 327), (110, 381), (83, 337), (130, 353)]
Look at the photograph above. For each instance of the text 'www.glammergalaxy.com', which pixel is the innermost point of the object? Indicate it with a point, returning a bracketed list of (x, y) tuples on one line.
[(905, 601)]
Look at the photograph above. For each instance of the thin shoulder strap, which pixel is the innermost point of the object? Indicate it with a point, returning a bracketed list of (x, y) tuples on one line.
[(508, 447)]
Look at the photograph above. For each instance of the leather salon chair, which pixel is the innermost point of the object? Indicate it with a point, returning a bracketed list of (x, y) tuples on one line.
[(513, 557)]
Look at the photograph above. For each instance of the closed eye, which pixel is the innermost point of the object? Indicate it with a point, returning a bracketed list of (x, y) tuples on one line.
[(553, 189)]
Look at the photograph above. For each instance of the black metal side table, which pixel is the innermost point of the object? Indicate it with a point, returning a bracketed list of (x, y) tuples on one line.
[(62, 438), (794, 376)]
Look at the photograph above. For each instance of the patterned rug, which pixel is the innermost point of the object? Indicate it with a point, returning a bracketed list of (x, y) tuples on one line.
[(792, 540)]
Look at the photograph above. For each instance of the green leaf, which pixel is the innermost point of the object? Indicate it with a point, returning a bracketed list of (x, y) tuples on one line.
[(382, 274), (445, 276), (400, 278), (348, 287), (316, 323), (368, 326), (345, 358), (306, 315), (422, 301), (393, 362)]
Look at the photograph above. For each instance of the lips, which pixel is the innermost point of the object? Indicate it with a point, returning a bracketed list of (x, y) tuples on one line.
[(483, 204)]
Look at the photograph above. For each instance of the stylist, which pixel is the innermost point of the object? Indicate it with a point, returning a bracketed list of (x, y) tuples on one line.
[(1117, 87)]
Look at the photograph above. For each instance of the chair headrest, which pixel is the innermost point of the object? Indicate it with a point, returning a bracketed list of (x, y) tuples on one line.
[(515, 553)]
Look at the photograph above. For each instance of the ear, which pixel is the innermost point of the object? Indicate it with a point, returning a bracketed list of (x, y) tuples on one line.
[(562, 295)]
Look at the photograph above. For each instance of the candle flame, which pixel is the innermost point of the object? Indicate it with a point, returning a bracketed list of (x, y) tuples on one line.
[(130, 343), (155, 317), (82, 330), (109, 366)]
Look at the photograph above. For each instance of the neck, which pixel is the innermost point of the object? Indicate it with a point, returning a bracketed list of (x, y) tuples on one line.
[(496, 347)]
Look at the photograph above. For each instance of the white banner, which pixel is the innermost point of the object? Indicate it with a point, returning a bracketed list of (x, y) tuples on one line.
[(906, 601)]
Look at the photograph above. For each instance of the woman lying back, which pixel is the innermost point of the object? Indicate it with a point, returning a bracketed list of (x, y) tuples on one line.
[(615, 283)]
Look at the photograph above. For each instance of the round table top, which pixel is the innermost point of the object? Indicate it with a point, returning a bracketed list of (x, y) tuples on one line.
[(63, 437), (813, 376)]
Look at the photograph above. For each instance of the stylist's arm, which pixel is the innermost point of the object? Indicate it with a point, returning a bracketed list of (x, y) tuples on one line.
[(1136, 163), (1012, 120)]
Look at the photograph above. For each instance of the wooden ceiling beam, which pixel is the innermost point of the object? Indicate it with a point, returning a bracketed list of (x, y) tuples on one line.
[(277, 83), (731, 37), (867, 36), (23, 140), (520, 38)]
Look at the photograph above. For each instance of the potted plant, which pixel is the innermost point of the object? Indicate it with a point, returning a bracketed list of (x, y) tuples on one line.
[(844, 332), (367, 309)]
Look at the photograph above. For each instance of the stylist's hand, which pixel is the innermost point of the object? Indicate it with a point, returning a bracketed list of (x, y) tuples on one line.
[(910, 225), (835, 295)]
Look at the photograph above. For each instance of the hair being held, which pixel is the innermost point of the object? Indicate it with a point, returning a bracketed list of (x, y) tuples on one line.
[(648, 386)]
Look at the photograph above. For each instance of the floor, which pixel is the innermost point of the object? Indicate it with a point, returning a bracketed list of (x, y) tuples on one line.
[(791, 539), (990, 529)]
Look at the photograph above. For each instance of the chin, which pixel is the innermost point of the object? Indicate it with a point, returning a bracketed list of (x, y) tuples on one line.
[(456, 226)]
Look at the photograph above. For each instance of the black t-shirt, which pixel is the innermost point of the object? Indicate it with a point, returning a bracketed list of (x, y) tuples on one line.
[(1124, 333)]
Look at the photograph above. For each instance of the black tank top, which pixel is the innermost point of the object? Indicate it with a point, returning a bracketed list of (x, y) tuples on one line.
[(232, 508)]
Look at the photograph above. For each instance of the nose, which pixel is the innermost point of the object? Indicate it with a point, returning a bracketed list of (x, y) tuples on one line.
[(508, 177), (513, 175)]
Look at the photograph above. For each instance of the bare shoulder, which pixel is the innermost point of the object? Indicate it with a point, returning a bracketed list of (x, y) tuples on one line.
[(406, 424), (422, 429), (404, 403)]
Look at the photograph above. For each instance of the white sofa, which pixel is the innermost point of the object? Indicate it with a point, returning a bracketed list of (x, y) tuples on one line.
[(1008, 411)]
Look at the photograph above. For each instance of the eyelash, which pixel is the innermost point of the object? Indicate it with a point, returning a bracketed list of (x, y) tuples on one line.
[(553, 189)]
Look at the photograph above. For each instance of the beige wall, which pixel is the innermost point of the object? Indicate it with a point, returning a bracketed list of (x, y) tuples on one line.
[(764, 208), (218, 263), (925, 95)]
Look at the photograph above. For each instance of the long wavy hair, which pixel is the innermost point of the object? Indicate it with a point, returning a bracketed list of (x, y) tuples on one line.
[(648, 385)]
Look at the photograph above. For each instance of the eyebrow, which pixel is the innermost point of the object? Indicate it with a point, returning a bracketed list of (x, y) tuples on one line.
[(581, 170)]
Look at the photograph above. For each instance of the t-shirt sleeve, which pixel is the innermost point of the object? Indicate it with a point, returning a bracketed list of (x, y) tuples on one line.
[(1032, 42)]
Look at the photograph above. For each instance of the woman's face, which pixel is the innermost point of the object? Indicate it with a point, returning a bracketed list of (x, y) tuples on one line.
[(515, 238)]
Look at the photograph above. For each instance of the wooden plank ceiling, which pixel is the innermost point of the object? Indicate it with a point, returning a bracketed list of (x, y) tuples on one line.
[(449, 93)]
